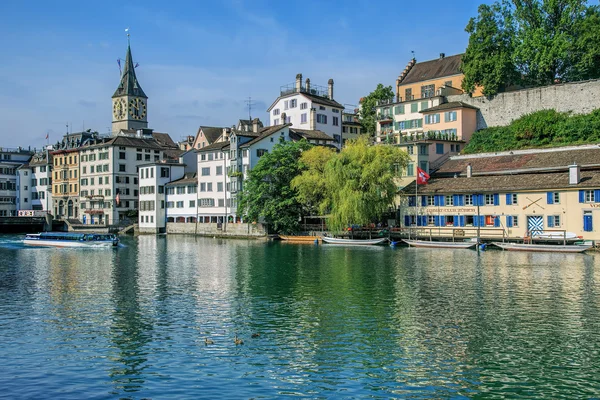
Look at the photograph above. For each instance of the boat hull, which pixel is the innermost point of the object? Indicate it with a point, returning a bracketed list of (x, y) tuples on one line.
[(66, 239), (354, 242), (54, 243), (306, 239), (439, 245), (574, 248)]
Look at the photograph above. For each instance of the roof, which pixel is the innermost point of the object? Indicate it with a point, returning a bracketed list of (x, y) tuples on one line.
[(433, 69), (164, 139), (214, 146), (211, 133), (449, 106), (188, 177), (504, 183), (129, 85), (314, 98), (268, 131), (523, 160), (311, 134)]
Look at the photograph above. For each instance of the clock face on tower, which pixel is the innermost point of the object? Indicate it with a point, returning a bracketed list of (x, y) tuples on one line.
[(119, 109), (137, 108)]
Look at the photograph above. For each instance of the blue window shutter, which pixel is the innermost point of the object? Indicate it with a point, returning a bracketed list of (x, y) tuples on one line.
[(497, 222), (419, 221), (496, 199), (442, 200), (581, 196), (461, 199), (455, 200), (597, 196), (424, 220), (550, 221), (456, 220), (508, 199), (481, 220), (462, 220), (411, 201), (436, 200), (475, 200), (481, 200), (406, 220), (509, 221), (436, 220), (550, 198), (423, 201), (475, 220)]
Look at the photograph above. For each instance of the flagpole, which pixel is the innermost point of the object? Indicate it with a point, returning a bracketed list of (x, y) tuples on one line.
[(416, 202)]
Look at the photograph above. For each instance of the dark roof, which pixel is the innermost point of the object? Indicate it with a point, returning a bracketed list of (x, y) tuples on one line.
[(433, 69), (310, 134), (504, 183), (214, 146), (129, 84), (314, 98), (188, 177), (173, 154), (522, 160), (211, 133), (164, 139), (268, 131), (449, 106)]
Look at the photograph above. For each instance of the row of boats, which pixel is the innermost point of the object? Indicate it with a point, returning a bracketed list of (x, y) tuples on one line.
[(556, 248)]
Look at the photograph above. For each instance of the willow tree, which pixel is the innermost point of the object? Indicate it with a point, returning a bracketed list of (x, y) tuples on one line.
[(361, 182), (311, 185)]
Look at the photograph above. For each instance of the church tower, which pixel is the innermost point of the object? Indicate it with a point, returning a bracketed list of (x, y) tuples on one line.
[(129, 101)]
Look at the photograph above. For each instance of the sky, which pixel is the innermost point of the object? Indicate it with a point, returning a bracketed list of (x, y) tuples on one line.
[(199, 61)]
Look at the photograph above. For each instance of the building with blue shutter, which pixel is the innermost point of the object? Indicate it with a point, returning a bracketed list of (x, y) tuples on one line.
[(516, 194)]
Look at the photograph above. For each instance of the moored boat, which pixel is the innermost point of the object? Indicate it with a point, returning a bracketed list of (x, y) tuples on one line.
[(68, 239), (331, 240), (439, 245), (306, 239), (553, 248)]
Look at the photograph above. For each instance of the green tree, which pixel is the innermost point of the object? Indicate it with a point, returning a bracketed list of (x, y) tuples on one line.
[(311, 185), (267, 192), (361, 182), (367, 114), (586, 48), (487, 62)]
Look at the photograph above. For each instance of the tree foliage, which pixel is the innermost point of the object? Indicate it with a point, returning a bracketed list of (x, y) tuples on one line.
[(532, 43), (367, 114), (267, 191), (356, 185), (311, 185), (544, 128)]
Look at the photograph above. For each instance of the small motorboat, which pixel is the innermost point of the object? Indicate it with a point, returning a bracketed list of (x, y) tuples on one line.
[(552, 248), (331, 240), (68, 239), (439, 245)]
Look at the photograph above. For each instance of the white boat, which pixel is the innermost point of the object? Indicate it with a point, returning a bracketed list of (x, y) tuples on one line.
[(331, 240), (555, 236), (65, 239), (553, 248), (439, 245)]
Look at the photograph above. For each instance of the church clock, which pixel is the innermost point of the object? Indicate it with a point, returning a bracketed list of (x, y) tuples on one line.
[(137, 108)]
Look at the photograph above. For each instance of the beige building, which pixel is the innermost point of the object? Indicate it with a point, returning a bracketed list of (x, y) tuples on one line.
[(514, 194), (351, 128)]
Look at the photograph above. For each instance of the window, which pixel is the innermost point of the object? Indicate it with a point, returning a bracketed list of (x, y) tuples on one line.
[(589, 196), (427, 91), (408, 94), (122, 155), (180, 189), (423, 149), (203, 187), (303, 106), (410, 170), (321, 118), (489, 199), (399, 109), (432, 118), (293, 103), (164, 172), (206, 171), (450, 116), (553, 198), (439, 148), (303, 118), (468, 199), (171, 190), (431, 220), (192, 203), (261, 152), (322, 108), (219, 186), (449, 200), (276, 121), (209, 187), (170, 204), (206, 202), (336, 121), (424, 105), (554, 221), (138, 157), (122, 168), (276, 111), (219, 170), (221, 203), (286, 104), (414, 108), (430, 200), (180, 204)]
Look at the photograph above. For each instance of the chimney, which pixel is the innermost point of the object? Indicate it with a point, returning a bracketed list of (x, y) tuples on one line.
[(330, 89), (398, 90), (442, 56), (298, 82), (307, 85), (313, 119), (283, 117), (574, 174), (255, 125), (469, 170)]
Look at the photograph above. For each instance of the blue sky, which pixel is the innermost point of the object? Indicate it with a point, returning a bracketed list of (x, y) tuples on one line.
[(200, 60)]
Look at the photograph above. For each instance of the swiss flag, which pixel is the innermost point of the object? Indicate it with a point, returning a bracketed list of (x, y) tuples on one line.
[(422, 176)]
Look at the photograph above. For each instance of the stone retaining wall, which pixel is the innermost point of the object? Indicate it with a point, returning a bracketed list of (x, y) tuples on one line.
[(233, 230)]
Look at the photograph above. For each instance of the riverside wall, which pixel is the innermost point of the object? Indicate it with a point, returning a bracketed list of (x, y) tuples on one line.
[(230, 230), (576, 97)]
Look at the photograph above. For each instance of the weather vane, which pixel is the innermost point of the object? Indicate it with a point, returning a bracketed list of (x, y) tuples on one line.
[(127, 31)]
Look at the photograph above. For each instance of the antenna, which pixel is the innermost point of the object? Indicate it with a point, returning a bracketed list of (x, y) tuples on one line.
[(413, 53), (249, 103)]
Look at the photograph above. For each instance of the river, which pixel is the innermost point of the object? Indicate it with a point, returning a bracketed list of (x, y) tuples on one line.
[(328, 321)]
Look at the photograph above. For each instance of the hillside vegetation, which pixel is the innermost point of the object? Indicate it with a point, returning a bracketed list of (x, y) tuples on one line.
[(546, 128)]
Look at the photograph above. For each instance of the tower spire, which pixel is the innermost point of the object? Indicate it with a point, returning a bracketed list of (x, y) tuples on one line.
[(129, 85)]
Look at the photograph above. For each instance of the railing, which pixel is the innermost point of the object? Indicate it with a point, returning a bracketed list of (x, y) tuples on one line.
[(384, 117), (438, 163), (316, 90), (454, 233)]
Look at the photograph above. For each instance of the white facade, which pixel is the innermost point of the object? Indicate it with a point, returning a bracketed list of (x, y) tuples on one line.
[(214, 183), (10, 187), (152, 181), (181, 199)]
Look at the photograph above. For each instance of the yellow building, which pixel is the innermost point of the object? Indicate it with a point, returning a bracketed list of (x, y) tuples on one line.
[(514, 195)]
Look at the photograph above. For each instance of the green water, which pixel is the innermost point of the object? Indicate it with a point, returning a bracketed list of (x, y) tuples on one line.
[(333, 322)]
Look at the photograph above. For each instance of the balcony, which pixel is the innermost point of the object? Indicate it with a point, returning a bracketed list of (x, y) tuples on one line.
[(315, 90), (385, 117)]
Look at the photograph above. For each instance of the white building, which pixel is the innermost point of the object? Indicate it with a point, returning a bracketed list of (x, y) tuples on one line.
[(308, 107), (181, 198), (214, 196), (10, 184), (35, 183)]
